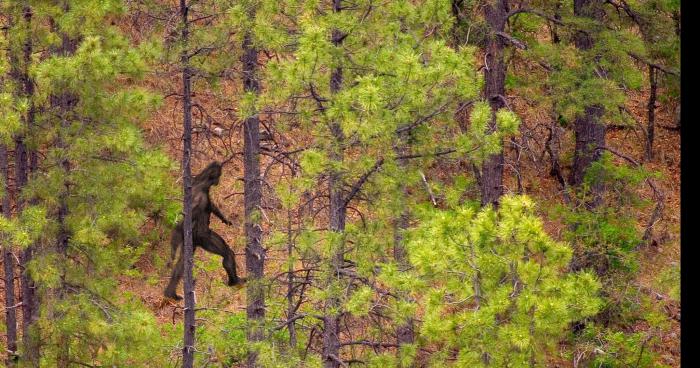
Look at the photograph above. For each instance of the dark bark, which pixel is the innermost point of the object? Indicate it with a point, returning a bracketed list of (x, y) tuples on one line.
[(63, 104), (30, 303), (589, 130), (552, 146), (291, 306), (188, 248), (651, 115), (9, 267), (337, 213), (19, 72), (656, 215), (491, 177), (553, 24), (254, 252), (590, 134)]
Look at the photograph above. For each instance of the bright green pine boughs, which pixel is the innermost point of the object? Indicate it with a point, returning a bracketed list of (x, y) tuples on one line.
[(112, 184), (494, 285), (486, 286), (399, 74)]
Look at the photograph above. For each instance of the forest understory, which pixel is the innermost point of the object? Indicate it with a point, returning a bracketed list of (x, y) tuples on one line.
[(364, 216)]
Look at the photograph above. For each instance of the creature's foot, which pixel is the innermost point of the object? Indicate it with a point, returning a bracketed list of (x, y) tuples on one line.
[(172, 295), (238, 281)]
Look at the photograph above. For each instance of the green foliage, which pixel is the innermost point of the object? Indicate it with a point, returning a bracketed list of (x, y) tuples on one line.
[(495, 287), (669, 281), (605, 240), (97, 171), (11, 122), (605, 237), (26, 229), (483, 287), (223, 335), (608, 348), (114, 333)]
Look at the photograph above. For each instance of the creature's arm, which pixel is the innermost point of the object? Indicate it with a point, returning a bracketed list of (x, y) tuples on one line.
[(218, 214)]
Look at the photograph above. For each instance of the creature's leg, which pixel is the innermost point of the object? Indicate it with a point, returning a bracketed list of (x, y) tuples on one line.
[(213, 243), (175, 279), (176, 241)]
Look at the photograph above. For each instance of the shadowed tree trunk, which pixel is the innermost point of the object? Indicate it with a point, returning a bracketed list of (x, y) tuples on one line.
[(9, 267), (589, 130), (63, 102), (30, 303), (651, 114), (491, 177), (19, 72), (188, 248), (337, 213), (291, 306), (254, 252)]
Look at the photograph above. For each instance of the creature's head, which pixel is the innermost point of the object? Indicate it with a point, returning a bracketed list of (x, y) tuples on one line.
[(210, 175)]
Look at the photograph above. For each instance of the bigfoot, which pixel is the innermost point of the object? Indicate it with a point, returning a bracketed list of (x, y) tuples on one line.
[(202, 236)]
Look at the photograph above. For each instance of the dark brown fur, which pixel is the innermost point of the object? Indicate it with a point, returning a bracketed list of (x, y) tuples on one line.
[(202, 236)]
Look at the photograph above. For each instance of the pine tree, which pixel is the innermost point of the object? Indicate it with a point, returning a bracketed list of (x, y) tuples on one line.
[(493, 287), (20, 84), (362, 79), (350, 120), (8, 261), (88, 196), (496, 16), (188, 347), (659, 25), (610, 48), (254, 251)]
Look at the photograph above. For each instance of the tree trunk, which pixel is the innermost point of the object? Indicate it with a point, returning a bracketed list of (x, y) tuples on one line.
[(491, 178), (9, 268), (188, 248), (590, 136), (589, 130), (30, 303), (291, 306), (19, 72), (254, 252), (337, 212), (651, 114), (63, 102)]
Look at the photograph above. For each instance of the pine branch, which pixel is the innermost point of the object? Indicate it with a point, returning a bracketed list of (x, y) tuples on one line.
[(535, 12), (361, 181), (654, 65), (514, 41)]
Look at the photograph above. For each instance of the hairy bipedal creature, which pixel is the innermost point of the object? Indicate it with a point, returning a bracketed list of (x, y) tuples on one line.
[(202, 236)]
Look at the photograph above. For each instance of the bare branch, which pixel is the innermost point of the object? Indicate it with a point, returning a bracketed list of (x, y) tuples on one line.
[(653, 65), (361, 181), (514, 41)]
